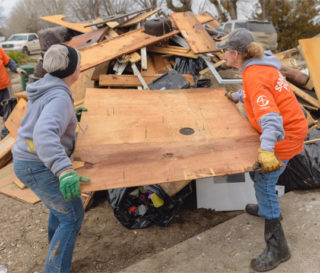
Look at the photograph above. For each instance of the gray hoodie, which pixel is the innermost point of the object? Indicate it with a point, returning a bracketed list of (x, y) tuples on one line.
[(47, 131), (271, 123)]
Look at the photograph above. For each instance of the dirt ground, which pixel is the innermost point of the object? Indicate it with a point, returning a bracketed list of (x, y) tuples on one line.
[(103, 245)]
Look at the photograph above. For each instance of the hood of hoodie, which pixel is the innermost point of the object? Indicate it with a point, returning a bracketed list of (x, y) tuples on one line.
[(267, 59), (43, 86)]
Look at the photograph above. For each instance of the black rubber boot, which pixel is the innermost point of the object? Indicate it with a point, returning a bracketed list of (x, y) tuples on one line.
[(252, 209), (276, 251)]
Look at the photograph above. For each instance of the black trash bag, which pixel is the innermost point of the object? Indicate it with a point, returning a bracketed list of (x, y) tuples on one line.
[(188, 65), (303, 170), (6, 107), (135, 210)]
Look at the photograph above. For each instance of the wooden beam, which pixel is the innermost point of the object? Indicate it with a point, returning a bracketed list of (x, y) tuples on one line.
[(305, 96), (138, 18), (14, 120), (6, 145), (191, 29), (132, 80), (173, 50)]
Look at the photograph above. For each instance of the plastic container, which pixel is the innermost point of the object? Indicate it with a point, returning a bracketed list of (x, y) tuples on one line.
[(24, 79)]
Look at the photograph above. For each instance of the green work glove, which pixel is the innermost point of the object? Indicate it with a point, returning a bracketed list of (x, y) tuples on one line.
[(78, 111), (268, 161), (70, 184)]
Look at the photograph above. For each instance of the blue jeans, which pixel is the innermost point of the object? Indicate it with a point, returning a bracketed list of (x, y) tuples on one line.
[(265, 189), (65, 217)]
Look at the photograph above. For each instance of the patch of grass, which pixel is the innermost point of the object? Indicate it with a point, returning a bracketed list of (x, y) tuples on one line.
[(21, 58)]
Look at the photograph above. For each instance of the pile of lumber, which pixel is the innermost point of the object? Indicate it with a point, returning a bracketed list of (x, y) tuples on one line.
[(133, 135)]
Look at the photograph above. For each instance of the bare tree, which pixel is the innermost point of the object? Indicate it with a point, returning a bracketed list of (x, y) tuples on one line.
[(153, 4), (226, 9), (186, 5)]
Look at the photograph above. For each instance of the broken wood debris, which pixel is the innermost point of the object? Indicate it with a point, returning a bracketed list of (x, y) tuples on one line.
[(117, 54)]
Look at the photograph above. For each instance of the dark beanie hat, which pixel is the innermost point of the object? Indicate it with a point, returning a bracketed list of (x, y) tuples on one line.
[(73, 62)]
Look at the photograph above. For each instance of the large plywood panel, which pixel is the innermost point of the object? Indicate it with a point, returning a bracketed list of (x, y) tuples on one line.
[(131, 138), (311, 53), (191, 29)]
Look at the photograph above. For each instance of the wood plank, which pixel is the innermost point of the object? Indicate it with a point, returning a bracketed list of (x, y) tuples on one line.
[(123, 44), (310, 49), (112, 80), (100, 69), (6, 145), (138, 18), (161, 65), (191, 29), (14, 120), (9, 188), (87, 39), (58, 19), (142, 143), (305, 96), (214, 23), (78, 89), (171, 188), (150, 68), (173, 50)]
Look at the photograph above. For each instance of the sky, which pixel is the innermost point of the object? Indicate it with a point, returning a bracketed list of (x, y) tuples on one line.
[(7, 5)]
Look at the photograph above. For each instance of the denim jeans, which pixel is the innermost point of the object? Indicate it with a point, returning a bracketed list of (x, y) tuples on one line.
[(65, 217), (265, 189)]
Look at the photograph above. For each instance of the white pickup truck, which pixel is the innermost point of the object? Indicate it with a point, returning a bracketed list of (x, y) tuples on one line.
[(24, 42)]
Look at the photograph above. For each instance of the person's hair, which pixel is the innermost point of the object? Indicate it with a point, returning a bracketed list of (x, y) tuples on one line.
[(253, 50), (56, 58)]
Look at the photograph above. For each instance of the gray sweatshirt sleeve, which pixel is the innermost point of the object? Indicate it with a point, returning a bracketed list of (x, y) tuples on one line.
[(272, 130), (51, 125), (238, 95)]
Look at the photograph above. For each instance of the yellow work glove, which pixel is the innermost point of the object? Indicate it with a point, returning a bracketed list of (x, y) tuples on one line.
[(229, 96), (268, 161)]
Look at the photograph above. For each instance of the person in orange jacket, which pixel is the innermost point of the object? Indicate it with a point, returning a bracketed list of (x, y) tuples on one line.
[(273, 110), (6, 61)]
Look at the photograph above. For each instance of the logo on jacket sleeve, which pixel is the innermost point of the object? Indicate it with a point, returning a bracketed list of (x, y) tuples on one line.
[(263, 101)]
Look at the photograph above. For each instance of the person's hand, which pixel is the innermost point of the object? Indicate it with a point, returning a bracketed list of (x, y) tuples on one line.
[(21, 72), (229, 96), (78, 111), (70, 184), (268, 161)]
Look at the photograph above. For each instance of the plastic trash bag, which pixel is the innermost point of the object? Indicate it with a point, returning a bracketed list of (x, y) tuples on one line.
[(303, 170), (140, 207), (188, 65)]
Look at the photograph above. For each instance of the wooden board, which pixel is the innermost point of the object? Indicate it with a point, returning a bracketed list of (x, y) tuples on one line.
[(6, 145), (87, 39), (137, 19), (311, 53), (191, 29), (58, 19), (123, 44), (112, 80), (9, 188), (214, 23), (133, 138), (173, 50), (304, 95), (14, 120), (78, 89)]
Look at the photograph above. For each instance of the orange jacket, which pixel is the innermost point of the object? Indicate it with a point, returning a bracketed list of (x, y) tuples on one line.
[(267, 91), (4, 77)]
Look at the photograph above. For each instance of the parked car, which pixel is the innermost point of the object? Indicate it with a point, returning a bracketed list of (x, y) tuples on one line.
[(24, 42), (263, 31)]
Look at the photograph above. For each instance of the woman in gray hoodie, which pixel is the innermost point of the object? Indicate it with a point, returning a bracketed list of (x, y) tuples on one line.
[(42, 151)]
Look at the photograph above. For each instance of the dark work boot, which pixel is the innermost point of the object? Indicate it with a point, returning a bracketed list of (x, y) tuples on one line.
[(252, 209), (276, 251)]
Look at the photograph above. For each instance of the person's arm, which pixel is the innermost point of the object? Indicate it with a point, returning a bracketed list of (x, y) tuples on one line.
[(272, 130), (51, 125), (12, 65)]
